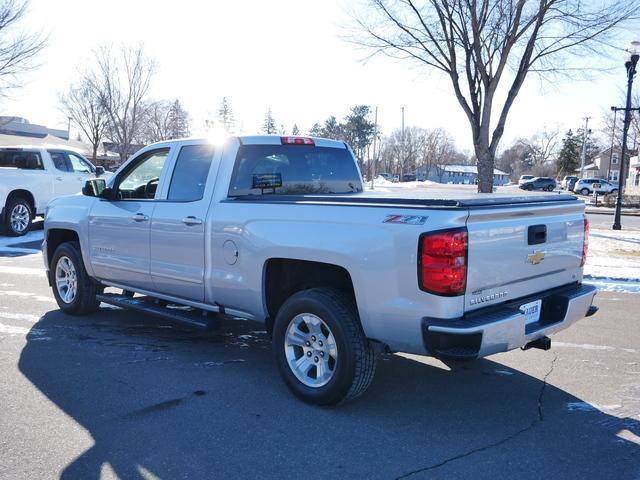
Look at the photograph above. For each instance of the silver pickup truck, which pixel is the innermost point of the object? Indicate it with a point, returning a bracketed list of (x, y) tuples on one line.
[(279, 230)]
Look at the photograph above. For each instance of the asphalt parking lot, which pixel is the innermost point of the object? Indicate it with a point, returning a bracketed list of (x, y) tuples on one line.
[(122, 395)]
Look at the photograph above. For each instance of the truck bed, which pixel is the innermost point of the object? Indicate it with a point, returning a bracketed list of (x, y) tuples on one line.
[(413, 199)]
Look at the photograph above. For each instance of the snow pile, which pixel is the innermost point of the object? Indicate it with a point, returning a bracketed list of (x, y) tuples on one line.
[(613, 263)]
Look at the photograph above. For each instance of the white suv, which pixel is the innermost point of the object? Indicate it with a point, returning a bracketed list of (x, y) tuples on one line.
[(586, 186), (30, 177)]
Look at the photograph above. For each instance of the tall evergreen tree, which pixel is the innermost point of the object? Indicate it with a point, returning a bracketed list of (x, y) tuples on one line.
[(358, 131), (179, 121), (569, 157), (225, 116), (332, 129), (269, 124), (295, 130)]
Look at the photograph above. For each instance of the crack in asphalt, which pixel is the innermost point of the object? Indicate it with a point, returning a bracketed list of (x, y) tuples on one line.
[(499, 442)]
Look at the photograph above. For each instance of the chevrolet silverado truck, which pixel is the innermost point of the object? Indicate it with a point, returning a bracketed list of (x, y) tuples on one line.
[(30, 177), (279, 230)]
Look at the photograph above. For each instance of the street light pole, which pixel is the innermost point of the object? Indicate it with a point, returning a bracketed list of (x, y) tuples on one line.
[(630, 64), (613, 137), (585, 132)]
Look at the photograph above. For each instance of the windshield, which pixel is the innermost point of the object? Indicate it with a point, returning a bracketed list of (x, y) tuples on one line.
[(293, 170)]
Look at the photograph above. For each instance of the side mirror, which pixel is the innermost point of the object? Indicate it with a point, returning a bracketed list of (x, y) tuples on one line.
[(99, 171), (94, 187)]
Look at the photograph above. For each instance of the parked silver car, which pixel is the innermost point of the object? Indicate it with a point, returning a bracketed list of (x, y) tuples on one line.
[(586, 186)]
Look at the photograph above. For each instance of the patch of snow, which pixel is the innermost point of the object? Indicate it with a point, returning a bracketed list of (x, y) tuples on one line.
[(613, 262), (588, 346), (589, 407), (23, 271)]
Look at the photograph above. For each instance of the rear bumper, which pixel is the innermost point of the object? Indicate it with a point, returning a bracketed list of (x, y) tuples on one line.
[(501, 328)]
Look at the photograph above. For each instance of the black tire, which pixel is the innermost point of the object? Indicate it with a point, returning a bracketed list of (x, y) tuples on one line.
[(550, 188), (17, 203), (84, 301), (584, 191), (356, 361), (614, 191)]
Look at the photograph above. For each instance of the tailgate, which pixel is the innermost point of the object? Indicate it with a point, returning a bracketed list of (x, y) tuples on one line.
[(516, 251)]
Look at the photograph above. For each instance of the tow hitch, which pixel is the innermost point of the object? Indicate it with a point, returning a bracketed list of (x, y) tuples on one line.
[(543, 343)]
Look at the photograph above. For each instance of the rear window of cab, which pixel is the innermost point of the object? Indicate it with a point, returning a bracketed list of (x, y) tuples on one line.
[(293, 170)]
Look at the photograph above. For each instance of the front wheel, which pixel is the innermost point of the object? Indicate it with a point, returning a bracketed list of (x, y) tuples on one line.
[(320, 348), (614, 192), (584, 191), (74, 290), (550, 188), (18, 217)]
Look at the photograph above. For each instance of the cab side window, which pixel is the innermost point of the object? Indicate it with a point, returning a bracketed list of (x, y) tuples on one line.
[(59, 161), (190, 173), (142, 179), (79, 164)]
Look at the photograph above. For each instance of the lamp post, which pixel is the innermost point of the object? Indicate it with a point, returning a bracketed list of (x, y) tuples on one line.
[(633, 54)]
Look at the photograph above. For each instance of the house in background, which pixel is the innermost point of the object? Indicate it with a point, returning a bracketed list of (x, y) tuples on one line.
[(460, 174), (21, 127), (606, 164), (632, 186), (19, 132)]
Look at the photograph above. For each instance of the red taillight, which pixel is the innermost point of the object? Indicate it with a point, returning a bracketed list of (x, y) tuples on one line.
[(442, 262), (585, 242), (297, 141)]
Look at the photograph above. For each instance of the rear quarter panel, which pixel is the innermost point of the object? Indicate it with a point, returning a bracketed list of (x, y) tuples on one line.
[(381, 259)]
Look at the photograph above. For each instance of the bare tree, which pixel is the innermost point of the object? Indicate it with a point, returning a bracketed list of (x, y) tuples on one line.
[(82, 104), (17, 49), (439, 151), (613, 132), (482, 45), (121, 80), (543, 147), (164, 120)]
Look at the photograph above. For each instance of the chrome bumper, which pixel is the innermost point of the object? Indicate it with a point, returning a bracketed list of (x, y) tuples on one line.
[(502, 328)]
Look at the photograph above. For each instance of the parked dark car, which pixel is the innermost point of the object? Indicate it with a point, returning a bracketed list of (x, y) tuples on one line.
[(539, 183), (408, 177)]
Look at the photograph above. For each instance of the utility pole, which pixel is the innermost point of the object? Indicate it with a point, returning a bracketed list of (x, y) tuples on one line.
[(585, 132), (375, 137)]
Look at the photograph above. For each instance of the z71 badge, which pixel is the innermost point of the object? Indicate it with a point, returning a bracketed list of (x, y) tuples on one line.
[(406, 219)]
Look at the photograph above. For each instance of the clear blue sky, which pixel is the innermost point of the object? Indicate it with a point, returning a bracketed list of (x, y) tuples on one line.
[(288, 55)]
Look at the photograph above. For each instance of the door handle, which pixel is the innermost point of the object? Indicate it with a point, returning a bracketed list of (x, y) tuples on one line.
[(191, 220), (140, 217), (59, 179)]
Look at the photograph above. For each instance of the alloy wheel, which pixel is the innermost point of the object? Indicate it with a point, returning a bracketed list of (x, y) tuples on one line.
[(310, 349)]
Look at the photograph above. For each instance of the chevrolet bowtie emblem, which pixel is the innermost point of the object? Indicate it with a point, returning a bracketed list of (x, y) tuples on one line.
[(536, 257)]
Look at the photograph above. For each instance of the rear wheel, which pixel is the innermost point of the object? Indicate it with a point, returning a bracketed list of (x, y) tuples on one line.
[(584, 191), (74, 290), (18, 217), (550, 188), (614, 191), (320, 348)]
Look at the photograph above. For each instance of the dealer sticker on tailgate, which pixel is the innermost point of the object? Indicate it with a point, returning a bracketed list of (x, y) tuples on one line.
[(531, 311)]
